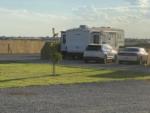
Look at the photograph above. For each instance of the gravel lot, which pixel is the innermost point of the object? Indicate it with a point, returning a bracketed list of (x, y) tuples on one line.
[(35, 58), (112, 97)]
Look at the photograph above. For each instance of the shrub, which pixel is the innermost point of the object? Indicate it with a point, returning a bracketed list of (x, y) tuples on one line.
[(47, 50)]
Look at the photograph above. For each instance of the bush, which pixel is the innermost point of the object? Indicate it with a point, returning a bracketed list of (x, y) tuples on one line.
[(48, 49)]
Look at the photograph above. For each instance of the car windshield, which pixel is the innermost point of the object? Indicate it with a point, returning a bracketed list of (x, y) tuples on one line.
[(93, 48), (131, 49)]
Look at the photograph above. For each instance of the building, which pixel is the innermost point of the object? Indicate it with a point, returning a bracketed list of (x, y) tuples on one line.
[(74, 41), (135, 42)]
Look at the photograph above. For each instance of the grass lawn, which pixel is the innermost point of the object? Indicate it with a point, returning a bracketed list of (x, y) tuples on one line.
[(26, 74)]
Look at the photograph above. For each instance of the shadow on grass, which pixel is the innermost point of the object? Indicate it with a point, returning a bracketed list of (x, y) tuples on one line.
[(25, 78), (23, 61), (42, 76), (79, 72), (120, 74), (16, 62)]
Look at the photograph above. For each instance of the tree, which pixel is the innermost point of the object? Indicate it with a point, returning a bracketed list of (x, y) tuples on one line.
[(46, 51), (55, 56)]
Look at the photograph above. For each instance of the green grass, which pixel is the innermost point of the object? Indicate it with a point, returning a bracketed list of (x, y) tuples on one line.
[(26, 74)]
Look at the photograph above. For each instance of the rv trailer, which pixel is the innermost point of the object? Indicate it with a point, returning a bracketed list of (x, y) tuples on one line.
[(74, 41)]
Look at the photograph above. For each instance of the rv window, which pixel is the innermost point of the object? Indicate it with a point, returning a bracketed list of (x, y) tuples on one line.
[(93, 48), (64, 39), (96, 39)]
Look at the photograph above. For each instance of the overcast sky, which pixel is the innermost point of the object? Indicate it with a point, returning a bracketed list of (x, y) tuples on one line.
[(37, 17)]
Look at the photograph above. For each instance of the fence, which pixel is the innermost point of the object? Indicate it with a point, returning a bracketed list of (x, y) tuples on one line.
[(20, 46)]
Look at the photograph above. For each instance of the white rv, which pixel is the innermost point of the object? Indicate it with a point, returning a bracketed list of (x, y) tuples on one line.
[(75, 41)]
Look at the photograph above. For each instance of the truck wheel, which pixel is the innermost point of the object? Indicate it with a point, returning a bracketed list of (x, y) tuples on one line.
[(116, 59)]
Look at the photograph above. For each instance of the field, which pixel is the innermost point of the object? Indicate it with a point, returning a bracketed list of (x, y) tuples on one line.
[(27, 74), (21, 46)]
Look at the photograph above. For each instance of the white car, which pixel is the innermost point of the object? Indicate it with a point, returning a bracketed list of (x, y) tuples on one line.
[(99, 52), (132, 54)]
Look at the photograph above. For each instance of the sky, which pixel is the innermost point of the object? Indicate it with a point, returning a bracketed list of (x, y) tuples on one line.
[(38, 17)]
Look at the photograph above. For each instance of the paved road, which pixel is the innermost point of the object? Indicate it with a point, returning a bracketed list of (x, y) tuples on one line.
[(112, 97)]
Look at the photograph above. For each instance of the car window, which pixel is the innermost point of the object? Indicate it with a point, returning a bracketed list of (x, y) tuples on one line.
[(93, 48), (131, 49)]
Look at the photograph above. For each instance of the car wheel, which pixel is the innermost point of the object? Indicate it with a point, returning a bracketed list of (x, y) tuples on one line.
[(116, 59), (140, 61), (146, 61), (105, 60)]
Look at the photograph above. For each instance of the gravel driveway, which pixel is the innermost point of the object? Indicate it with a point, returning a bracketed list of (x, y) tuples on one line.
[(35, 58), (131, 67), (19, 57), (111, 97)]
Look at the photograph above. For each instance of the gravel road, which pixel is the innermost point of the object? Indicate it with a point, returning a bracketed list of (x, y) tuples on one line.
[(111, 97)]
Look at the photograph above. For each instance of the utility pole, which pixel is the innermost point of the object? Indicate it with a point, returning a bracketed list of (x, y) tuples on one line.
[(54, 35)]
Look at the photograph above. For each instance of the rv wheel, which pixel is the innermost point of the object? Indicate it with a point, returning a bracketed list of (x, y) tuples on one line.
[(86, 61)]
